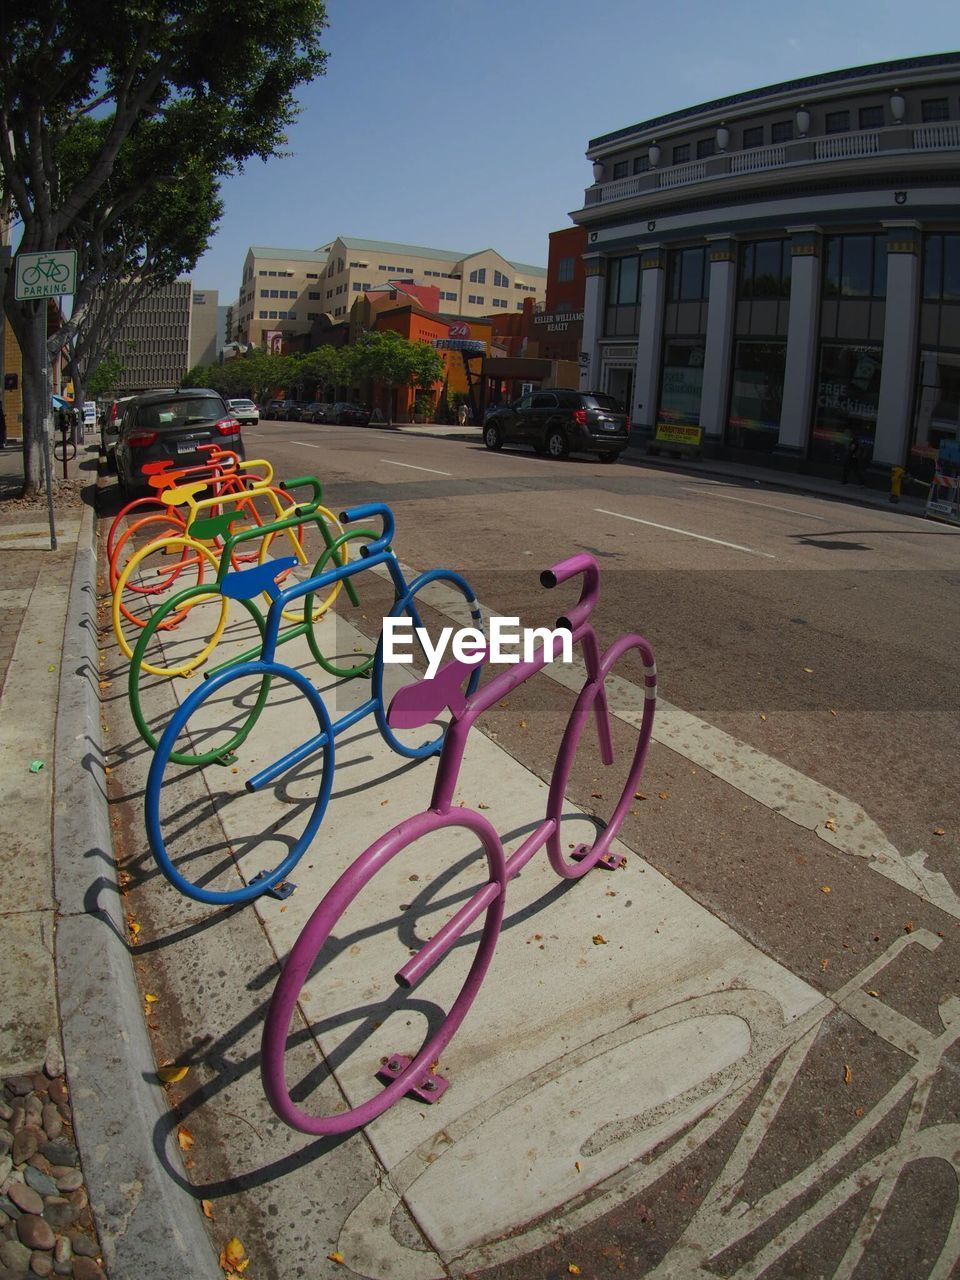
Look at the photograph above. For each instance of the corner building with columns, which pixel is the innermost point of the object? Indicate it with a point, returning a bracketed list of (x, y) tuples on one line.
[(781, 268)]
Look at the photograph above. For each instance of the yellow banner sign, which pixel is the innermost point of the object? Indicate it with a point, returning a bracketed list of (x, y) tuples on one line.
[(671, 433)]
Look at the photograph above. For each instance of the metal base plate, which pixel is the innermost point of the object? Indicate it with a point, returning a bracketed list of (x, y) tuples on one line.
[(430, 1087), (279, 891), (609, 861)]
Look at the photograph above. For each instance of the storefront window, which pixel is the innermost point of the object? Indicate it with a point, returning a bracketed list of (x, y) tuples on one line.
[(682, 382), (757, 395), (622, 315), (848, 391), (765, 269), (855, 266), (938, 408), (689, 275)]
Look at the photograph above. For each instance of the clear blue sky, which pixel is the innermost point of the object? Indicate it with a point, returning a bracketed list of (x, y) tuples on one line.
[(462, 124)]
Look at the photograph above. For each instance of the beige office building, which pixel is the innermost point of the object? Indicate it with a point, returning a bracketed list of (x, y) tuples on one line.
[(154, 340), (286, 290), (204, 330)]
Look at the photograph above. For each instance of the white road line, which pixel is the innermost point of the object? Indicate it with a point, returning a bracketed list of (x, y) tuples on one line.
[(306, 444), (728, 497), (411, 467), (701, 537)]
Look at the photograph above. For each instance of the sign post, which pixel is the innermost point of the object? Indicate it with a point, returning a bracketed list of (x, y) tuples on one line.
[(41, 276)]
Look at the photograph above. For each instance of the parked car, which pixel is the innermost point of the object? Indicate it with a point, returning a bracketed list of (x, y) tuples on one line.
[(276, 410), (346, 413), (316, 411), (245, 412), (560, 421), (295, 411), (110, 430), (171, 425)]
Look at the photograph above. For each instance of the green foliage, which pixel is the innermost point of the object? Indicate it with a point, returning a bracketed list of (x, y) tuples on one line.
[(117, 123), (104, 380), (386, 356)]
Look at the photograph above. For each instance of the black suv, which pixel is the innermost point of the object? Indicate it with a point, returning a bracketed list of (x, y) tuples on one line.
[(558, 421), (171, 426)]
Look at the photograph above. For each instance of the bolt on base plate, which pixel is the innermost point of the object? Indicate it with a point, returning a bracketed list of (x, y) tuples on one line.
[(430, 1088), (279, 891), (609, 861)]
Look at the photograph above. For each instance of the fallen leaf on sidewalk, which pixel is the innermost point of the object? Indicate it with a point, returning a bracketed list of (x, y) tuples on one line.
[(481, 805), (809, 670), (939, 831), (134, 927), (847, 1073), (171, 1073), (597, 795), (638, 795), (664, 795), (52, 667), (150, 998), (762, 716), (832, 712), (523, 724), (573, 1269), (824, 965), (825, 888), (599, 940), (185, 1138), (233, 1257), (831, 824), (336, 1256), (576, 1165), (207, 1208)]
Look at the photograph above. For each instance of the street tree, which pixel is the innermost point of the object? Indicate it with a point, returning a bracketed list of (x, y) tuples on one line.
[(104, 379), (158, 238), (385, 356), (214, 86)]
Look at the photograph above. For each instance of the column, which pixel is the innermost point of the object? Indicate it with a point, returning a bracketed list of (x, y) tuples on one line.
[(646, 382), (718, 356), (595, 269), (800, 374), (901, 319)]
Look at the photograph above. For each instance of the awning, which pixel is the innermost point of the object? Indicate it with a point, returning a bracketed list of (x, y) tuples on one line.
[(60, 403)]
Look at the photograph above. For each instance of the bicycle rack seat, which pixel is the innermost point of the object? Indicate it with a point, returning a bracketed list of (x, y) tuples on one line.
[(213, 527), (244, 584), (420, 703), (181, 494), (155, 469)]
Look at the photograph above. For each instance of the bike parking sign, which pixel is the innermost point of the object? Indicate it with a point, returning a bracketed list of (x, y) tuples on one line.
[(46, 275)]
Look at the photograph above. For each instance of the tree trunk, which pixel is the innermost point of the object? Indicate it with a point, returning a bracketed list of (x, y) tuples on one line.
[(35, 396)]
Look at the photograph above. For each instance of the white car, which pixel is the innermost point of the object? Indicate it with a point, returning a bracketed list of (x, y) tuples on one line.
[(245, 412)]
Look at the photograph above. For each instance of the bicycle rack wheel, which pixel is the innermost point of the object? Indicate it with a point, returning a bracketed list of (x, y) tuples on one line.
[(332, 535), (268, 881), (405, 604), (162, 524), (139, 664), (593, 698), (156, 506), (310, 943), (337, 550), (185, 543)]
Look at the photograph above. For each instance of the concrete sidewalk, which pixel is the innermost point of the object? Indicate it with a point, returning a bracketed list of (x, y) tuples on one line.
[(613, 977), (65, 1048)]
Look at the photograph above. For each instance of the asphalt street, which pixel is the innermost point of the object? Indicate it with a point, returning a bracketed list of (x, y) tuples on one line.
[(801, 791)]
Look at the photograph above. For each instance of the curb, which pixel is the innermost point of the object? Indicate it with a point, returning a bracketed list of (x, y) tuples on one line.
[(148, 1225)]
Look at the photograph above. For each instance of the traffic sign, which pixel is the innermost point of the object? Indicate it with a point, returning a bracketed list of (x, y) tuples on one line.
[(46, 275)]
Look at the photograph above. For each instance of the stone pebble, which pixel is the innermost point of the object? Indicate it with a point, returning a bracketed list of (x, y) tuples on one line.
[(34, 1232), (83, 1246), (25, 1197), (25, 1143), (15, 1255), (52, 1120), (60, 1213), (41, 1182), (87, 1269), (41, 1264)]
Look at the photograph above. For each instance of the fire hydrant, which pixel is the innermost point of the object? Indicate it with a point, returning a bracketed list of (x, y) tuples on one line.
[(896, 480)]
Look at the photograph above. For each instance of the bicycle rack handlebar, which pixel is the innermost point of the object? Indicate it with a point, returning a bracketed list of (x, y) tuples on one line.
[(305, 482), (584, 564), (368, 511)]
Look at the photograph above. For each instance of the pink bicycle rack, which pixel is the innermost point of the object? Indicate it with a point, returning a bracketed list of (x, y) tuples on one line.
[(417, 704)]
